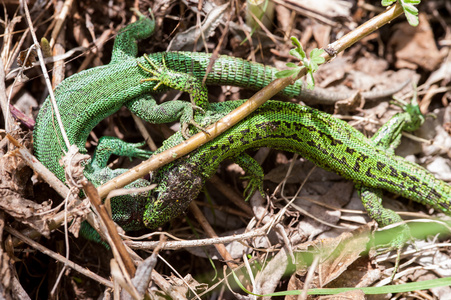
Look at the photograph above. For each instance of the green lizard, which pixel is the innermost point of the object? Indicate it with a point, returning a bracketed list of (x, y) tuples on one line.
[(88, 97)]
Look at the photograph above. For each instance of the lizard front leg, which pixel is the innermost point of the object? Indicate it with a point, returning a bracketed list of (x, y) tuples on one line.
[(183, 82), (109, 145), (146, 108)]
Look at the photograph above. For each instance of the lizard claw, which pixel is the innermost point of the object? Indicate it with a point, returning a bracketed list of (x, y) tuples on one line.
[(176, 80)]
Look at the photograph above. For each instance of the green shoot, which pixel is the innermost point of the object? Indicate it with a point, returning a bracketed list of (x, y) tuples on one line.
[(311, 64)]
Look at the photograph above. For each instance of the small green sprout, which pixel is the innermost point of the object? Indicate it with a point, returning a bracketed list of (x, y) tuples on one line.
[(311, 64)]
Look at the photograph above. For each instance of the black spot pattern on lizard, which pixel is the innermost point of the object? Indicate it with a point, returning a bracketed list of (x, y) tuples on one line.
[(369, 174), (356, 167), (393, 172), (434, 194), (380, 166), (350, 150), (414, 189), (391, 182), (341, 160), (311, 128), (213, 159), (445, 205), (265, 125), (334, 142), (359, 160), (406, 175), (225, 147)]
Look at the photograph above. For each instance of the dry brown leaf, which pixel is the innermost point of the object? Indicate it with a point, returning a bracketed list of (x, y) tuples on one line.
[(343, 252), (415, 47)]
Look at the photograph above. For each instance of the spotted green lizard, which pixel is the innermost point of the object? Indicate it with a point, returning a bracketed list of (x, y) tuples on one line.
[(327, 141), (87, 97)]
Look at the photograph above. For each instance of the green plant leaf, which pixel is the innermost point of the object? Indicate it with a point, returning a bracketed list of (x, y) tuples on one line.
[(287, 73), (310, 81), (295, 53), (291, 65), (413, 20), (300, 52), (410, 9), (311, 64), (315, 55)]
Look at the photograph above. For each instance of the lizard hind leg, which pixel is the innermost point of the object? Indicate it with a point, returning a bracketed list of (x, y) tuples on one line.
[(387, 138), (372, 201), (254, 173)]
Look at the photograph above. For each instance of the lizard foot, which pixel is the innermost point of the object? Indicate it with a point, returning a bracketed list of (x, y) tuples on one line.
[(159, 72), (176, 80), (402, 236), (185, 128), (255, 184), (111, 145), (134, 150)]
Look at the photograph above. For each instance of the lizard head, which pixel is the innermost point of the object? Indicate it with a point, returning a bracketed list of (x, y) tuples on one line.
[(178, 184)]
